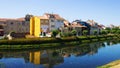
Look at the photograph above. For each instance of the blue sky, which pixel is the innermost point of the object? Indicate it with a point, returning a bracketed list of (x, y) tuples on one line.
[(102, 11)]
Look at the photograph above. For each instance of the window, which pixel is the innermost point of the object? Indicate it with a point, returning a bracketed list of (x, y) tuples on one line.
[(59, 21), (46, 21), (52, 25), (41, 21), (4, 22), (23, 23), (11, 23), (52, 20)]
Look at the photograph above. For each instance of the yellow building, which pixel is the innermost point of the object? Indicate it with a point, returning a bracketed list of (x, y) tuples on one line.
[(39, 25), (35, 26)]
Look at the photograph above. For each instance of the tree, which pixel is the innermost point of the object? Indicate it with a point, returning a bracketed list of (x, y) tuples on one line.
[(85, 32), (95, 32), (118, 31), (103, 32), (54, 33), (113, 31), (74, 32)]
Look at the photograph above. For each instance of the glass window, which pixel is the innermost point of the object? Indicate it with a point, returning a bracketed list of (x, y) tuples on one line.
[(52, 20), (23, 23), (52, 25), (11, 23)]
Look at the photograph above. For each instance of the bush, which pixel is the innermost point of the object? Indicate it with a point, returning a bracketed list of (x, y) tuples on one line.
[(85, 32), (95, 32), (54, 33), (103, 32), (74, 32)]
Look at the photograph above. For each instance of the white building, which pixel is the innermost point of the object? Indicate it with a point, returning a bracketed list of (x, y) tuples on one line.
[(56, 22), (93, 27)]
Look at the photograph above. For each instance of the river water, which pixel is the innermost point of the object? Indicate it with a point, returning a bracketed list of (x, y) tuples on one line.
[(88, 55)]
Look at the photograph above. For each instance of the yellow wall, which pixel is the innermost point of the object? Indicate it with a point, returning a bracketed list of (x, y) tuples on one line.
[(35, 57), (35, 26), (32, 26)]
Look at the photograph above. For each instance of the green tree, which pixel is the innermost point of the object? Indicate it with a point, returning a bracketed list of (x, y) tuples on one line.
[(55, 32), (113, 31), (74, 32), (95, 32), (118, 31), (85, 32), (115, 28), (103, 32)]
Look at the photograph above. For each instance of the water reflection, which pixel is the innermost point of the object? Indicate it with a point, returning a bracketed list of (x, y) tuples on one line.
[(48, 57)]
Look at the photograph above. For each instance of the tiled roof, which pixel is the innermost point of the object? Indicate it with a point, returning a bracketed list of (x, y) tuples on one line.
[(55, 15), (42, 17), (77, 25), (11, 19)]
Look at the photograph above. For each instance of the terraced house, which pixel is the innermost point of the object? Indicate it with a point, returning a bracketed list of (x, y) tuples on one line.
[(18, 25), (43, 25)]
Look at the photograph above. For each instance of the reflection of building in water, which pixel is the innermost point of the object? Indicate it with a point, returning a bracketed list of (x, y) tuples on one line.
[(2, 65), (94, 47), (48, 58), (24, 55), (35, 57)]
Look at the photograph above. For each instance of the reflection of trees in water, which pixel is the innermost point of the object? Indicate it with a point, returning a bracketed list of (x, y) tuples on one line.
[(51, 57), (82, 49), (112, 42)]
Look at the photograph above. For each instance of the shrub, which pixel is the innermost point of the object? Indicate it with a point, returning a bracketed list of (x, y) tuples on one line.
[(85, 32), (54, 33), (95, 32), (103, 32), (74, 32)]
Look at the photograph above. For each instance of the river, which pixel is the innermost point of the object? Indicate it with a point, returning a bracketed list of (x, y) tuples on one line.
[(89, 55)]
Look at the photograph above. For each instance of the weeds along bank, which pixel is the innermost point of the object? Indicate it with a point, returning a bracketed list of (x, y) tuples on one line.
[(81, 39)]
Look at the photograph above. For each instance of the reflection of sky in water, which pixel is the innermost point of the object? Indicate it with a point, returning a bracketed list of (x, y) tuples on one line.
[(16, 63), (104, 55)]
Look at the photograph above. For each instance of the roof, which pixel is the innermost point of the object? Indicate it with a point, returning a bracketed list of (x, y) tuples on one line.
[(42, 17), (55, 15), (12, 19), (77, 25), (67, 23)]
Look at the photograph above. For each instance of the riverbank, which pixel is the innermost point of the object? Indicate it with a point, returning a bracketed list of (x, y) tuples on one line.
[(33, 43), (81, 39), (114, 64)]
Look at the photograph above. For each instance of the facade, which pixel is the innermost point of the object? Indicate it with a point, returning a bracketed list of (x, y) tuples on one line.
[(85, 26), (43, 25), (14, 25), (1, 30), (78, 27), (93, 27), (55, 21), (35, 28)]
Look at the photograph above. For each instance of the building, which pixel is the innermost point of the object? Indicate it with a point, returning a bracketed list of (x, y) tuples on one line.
[(1, 30), (93, 27), (55, 21), (84, 26), (78, 27), (35, 26), (43, 25), (18, 25)]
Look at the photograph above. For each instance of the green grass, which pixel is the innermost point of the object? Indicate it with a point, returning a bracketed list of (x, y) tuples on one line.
[(52, 42)]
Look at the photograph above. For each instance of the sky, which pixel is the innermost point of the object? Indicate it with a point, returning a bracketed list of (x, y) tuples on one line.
[(104, 12)]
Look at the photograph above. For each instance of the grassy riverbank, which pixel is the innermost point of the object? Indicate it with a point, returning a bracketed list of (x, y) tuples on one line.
[(52, 42), (114, 64), (81, 39)]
